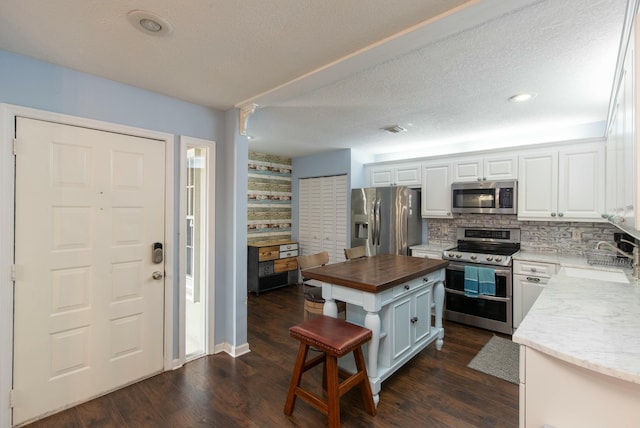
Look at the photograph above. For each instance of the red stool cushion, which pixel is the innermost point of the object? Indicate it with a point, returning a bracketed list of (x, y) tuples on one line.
[(331, 335)]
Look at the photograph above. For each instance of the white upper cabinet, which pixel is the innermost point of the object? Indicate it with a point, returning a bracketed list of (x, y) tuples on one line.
[(436, 189), (396, 174), (500, 167), (622, 183), (485, 168), (467, 169), (538, 185), (565, 184)]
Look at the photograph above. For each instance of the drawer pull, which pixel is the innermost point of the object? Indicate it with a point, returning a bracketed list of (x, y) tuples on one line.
[(533, 279)]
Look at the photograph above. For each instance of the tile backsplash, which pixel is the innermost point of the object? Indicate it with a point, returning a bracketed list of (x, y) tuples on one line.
[(543, 236)]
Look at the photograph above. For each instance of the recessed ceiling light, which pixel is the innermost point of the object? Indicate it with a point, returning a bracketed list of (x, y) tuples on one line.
[(525, 96), (149, 23)]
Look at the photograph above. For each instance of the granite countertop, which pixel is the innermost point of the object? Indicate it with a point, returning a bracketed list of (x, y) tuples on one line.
[(590, 323), (560, 259), (433, 247)]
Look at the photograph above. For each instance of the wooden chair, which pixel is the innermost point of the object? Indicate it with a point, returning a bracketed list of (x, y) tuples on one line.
[(313, 301), (355, 252)]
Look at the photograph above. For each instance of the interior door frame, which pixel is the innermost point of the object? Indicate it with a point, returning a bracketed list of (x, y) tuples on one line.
[(211, 210), (8, 114)]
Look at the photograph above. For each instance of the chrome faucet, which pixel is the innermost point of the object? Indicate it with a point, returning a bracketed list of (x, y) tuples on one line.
[(635, 256)]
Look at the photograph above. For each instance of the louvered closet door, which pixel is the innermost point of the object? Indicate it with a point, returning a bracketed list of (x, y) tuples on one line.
[(341, 216), (323, 216), (309, 227), (334, 223), (328, 218)]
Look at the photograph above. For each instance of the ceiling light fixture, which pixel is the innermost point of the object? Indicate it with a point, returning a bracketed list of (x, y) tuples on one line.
[(394, 129), (525, 96), (149, 23)]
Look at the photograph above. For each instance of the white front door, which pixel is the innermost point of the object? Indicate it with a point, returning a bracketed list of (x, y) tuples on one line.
[(88, 311)]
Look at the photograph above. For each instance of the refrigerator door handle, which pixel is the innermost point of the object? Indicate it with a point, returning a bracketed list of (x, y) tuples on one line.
[(376, 241), (373, 223)]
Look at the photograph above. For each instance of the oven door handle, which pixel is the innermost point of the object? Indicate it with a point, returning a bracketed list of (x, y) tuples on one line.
[(481, 296), (460, 267)]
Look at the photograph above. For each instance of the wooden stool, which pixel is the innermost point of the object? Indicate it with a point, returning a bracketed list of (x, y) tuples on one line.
[(334, 338)]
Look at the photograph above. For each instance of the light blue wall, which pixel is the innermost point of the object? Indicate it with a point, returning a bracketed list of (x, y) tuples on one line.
[(35, 84), (358, 160), (30, 83), (321, 165), (231, 250)]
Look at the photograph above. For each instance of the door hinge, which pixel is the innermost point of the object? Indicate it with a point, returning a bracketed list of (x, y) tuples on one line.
[(12, 398), (15, 146), (13, 272)]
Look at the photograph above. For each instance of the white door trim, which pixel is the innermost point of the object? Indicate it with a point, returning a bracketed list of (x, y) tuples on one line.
[(211, 209), (8, 113)]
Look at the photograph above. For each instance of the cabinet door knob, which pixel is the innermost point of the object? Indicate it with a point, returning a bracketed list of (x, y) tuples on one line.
[(414, 320), (406, 286), (553, 214), (560, 214)]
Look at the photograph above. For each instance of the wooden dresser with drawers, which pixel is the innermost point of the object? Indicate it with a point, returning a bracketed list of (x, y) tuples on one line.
[(271, 264)]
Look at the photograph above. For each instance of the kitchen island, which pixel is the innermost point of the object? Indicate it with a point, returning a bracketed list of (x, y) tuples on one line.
[(580, 353), (393, 296)]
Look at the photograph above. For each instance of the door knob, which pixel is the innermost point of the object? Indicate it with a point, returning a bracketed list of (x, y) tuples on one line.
[(157, 275)]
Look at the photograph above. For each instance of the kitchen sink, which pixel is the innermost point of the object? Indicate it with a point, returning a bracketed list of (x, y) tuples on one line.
[(598, 275)]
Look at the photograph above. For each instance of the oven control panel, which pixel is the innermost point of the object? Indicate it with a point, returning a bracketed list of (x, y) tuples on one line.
[(487, 259)]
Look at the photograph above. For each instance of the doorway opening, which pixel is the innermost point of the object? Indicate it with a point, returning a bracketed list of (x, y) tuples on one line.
[(196, 245)]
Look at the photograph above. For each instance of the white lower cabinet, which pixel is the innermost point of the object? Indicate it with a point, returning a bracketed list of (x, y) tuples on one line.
[(529, 279), (406, 324), (408, 318), (556, 393)]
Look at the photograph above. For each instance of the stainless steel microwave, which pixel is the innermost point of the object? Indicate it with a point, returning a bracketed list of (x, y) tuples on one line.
[(485, 197)]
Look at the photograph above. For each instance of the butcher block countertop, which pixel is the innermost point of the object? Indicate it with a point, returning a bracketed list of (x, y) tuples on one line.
[(377, 273)]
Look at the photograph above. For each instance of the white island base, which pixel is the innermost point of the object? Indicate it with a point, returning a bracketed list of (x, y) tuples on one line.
[(400, 319)]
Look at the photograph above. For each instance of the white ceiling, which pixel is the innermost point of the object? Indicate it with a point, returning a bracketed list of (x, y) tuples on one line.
[(329, 74)]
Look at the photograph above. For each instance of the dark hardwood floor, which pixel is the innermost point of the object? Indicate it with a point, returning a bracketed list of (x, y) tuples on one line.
[(435, 389)]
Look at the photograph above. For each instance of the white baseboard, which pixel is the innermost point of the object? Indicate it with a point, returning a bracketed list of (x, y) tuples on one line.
[(234, 351), (176, 364)]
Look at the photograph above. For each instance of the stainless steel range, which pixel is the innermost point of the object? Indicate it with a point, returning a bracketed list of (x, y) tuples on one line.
[(490, 250)]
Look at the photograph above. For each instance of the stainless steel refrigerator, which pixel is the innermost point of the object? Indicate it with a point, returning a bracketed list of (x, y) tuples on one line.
[(386, 220)]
